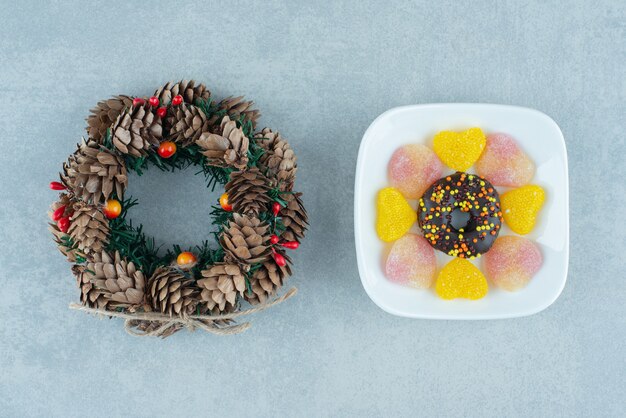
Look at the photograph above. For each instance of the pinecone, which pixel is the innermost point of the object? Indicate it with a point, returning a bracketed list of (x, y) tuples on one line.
[(104, 114), (220, 286), (279, 161), (64, 200), (119, 281), (93, 172), (187, 89), (89, 295), (136, 129), (246, 240), (294, 217), (235, 108), (66, 203), (187, 124), (267, 279), (227, 148), (89, 228), (247, 192), (65, 245), (171, 292)]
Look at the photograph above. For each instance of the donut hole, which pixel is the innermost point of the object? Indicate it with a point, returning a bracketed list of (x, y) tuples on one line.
[(459, 219)]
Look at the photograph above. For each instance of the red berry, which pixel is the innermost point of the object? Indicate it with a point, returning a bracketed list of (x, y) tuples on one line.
[(273, 240), (138, 101), (292, 245), (224, 203), (178, 99), (55, 185), (280, 260), (162, 111), (186, 258), (154, 101), (167, 149), (58, 214), (276, 207), (112, 208), (64, 224)]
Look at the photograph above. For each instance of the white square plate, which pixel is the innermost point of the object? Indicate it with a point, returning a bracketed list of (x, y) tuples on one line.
[(538, 135)]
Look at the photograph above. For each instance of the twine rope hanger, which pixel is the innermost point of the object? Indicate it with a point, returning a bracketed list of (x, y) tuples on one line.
[(191, 322)]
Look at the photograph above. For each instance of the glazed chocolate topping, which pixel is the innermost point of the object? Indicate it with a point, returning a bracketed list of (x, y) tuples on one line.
[(460, 215)]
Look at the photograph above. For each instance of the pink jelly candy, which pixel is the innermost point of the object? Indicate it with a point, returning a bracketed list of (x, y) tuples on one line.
[(411, 262), (504, 163), (413, 168), (512, 261)]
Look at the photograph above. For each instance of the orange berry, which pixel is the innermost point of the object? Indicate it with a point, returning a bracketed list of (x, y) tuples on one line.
[(224, 203), (185, 259), (112, 208), (167, 149)]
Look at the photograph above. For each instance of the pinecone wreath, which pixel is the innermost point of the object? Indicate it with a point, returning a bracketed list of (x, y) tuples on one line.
[(119, 270)]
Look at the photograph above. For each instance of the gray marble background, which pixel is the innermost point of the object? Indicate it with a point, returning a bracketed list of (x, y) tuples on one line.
[(320, 72)]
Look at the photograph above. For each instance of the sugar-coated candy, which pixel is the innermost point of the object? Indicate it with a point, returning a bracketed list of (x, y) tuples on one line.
[(411, 262), (504, 163), (395, 216), (521, 206), (413, 168), (512, 262), (459, 150), (461, 279)]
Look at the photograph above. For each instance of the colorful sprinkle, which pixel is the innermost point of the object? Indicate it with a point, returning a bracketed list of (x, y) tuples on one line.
[(462, 205)]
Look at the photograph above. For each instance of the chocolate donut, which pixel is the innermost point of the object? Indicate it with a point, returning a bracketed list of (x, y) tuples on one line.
[(460, 215)]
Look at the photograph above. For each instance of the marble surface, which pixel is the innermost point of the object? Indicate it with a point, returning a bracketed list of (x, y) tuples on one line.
[(320, 72)]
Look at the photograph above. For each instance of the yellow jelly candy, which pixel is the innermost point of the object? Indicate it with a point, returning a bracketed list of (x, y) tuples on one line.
[(395, 216), (461, 279), (521, 206), (459, 150)]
